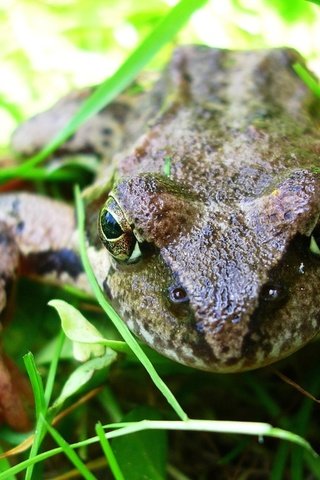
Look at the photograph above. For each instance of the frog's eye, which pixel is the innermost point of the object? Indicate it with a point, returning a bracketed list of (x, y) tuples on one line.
[(177, 294), (116, 233)]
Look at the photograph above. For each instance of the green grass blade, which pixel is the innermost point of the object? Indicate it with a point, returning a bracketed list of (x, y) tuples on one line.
[(38, 174), (114, 466), (167, 166), (110, 404), (313, 465), (41, 397), (70, 453), (308, 78), (109, 89), (36, 383), (243, 428), (40, 408), (117, 321), (5, 465), (53, 368), (279, 463)]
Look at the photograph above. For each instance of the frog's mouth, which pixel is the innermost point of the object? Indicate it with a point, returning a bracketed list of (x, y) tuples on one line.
[(287, 315)]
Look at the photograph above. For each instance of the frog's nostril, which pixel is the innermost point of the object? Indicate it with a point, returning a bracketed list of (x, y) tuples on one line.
[(273, 292), (177, 294)]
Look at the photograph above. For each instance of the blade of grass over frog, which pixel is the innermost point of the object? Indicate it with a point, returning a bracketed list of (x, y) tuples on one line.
[(116, 320), (107, 450), (109, 89), (214, 426), (308, 78), (70, 453)]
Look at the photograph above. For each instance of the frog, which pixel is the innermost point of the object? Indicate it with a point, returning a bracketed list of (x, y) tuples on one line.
[(200, 219)]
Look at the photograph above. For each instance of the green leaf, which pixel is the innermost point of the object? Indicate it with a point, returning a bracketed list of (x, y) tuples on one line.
[(147, 460), (314, 247), (85, 337), (83, 374)]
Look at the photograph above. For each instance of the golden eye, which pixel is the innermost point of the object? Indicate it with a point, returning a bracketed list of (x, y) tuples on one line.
[(116, 233)]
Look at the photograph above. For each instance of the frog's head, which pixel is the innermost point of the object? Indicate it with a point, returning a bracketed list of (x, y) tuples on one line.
[(222, 287)]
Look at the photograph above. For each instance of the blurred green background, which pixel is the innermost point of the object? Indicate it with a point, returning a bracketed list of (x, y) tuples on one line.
[(52, 46)]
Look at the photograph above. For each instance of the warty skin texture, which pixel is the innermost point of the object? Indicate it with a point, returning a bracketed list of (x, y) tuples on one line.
[(229, 225)]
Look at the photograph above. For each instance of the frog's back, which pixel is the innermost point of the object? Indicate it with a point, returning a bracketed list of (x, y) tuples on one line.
[(234, 118)]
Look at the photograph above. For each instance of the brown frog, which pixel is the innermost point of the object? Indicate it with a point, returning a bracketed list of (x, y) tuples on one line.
[(202, 237)]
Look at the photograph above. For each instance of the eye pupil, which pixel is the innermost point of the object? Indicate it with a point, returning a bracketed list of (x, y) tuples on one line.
[(178, 295), (110, 226)]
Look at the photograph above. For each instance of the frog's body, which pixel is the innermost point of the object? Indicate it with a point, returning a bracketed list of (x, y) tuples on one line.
[(215, 179)]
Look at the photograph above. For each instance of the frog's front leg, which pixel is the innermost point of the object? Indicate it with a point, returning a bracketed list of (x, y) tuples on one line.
[(36, 238)]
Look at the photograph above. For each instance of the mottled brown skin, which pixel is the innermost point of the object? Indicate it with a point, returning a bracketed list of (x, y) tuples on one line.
[(229, 225), (243, 146)]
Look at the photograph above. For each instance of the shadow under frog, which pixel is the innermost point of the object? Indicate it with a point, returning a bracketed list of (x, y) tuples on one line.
[(208, 260)]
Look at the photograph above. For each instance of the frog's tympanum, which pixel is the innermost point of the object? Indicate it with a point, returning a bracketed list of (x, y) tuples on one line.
[(202, 238)]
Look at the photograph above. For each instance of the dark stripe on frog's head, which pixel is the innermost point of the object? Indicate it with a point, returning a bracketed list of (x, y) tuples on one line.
[(58, 261)]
